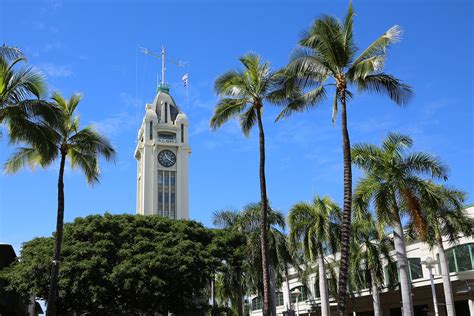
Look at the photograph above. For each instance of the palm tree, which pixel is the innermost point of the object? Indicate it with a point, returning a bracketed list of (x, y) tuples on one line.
[(247, 222), (327, 60), (242, 95), (392, 182), (445, 217), (21, 88), (312, 227), (370, 251), (83, 147)]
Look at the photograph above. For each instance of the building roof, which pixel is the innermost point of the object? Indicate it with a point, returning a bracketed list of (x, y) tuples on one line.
[(7, 255), (163, 96)]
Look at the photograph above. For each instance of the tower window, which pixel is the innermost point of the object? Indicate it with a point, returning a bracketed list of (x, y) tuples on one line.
[(182, 133), (166, 112), (151, 130), (167, 193)]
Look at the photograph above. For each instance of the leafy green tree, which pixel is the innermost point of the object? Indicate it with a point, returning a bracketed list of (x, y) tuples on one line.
[(393, 181), (445, 219), (327, 60), (229, 245), (122, 265), (242, 95), (370, 252), (312, 229), (64, 139)]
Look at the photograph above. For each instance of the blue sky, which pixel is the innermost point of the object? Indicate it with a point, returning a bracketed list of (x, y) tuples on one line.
[(92, 47)]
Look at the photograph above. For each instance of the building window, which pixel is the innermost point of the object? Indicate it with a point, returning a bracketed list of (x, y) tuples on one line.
[(461, 258), (302, 297), (167, 193), (151, 130), (182, 133), (279, 299), (414, 265), (256, 303), (166, 112)]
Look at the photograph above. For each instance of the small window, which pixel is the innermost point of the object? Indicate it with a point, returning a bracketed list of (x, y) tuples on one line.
[(416, 271), (257, 303), (279, 299), (182, 133), (151, 130), (166, 112)]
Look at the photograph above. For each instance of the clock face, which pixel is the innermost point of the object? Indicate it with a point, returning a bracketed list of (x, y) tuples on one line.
[(166, 158)]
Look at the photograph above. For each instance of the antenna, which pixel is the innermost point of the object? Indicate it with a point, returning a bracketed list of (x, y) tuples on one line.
[(179, 63)]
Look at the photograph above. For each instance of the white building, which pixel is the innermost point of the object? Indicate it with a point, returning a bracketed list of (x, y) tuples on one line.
[(162, 155), (461, 265)]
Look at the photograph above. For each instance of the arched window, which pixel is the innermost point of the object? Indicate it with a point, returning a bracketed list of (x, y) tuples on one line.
[(279, 299), (302, 297), (256, 303)]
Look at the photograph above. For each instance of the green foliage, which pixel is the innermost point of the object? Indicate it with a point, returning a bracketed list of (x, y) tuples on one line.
[(243, 92), (443, 208), (393, 179), (60, 135), (370, 252), (327, 59), (124, 265)]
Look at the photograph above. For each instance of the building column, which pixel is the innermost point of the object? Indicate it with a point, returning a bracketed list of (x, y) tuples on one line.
[(470, 302)]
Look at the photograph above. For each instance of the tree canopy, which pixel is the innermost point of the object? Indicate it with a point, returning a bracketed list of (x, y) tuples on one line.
[(123, 264)]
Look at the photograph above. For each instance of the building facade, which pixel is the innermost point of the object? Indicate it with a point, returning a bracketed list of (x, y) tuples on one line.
[(360, 303), (162, 155)]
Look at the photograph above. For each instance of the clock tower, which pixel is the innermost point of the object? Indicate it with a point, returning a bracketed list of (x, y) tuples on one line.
[(162, 159)]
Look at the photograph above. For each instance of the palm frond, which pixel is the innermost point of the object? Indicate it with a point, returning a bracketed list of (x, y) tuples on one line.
[(226, 109), (86, 161), (425, 163), (24, 156), (248, 119), (380, 45), (231, 83), (303, 102), (10, 52), (90, 141), (382, 83)]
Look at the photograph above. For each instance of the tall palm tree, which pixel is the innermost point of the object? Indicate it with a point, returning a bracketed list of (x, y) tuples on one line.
[(445, 218), (370, 252), (21, 88), (83, 147), (242, 95), (313, 227), (327, 60), (392, 181)]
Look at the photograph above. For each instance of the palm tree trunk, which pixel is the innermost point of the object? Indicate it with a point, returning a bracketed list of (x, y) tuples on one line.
[(53, 286), (240, 301), (448, 289), (271, 271), (323, 283), (263, 221), (375, 295), (346, 212), (402, 262)]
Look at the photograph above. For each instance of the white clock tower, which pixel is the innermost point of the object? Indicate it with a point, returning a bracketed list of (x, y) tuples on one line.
[(162, 159)]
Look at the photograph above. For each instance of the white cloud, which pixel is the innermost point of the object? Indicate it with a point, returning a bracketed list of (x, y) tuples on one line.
[(53, 70)]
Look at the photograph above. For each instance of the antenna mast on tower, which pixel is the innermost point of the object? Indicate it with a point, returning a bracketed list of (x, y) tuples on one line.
[(178, 63)]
